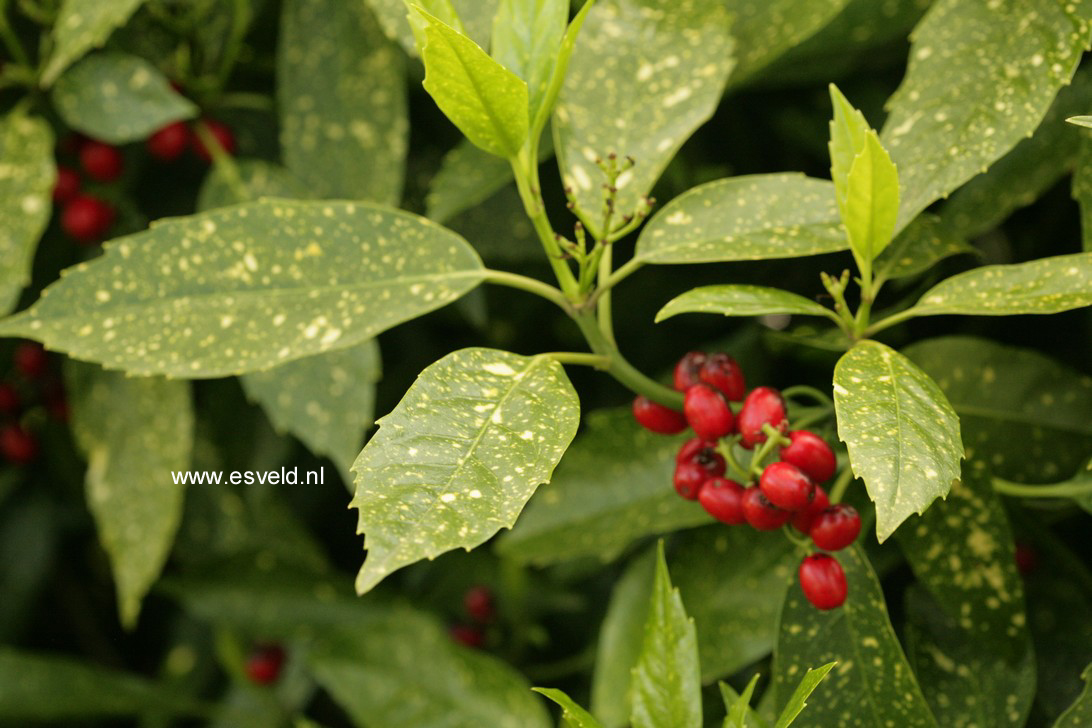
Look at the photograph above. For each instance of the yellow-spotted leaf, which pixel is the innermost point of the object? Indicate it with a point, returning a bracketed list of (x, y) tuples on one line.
[(1080, 712), (574, 715), (81, 26), (472, 17), (526, 40), (924, 243), (741, 300), (459, 456)]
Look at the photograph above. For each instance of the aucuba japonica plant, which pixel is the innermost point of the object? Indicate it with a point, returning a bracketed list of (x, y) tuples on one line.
[(857, 501)]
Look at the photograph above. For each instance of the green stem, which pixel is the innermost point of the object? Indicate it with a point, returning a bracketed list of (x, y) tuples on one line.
[(239, 16), (838, 490), (10, 40), (763, 451), (525, 168), (225, 163), (817, 395), (597, 361), (245, 100), (614, 279), (621, 369), (818, 415), (1059, 490), (801, 542), (606, 317), (530, 285), (890, 321), (725, 448)]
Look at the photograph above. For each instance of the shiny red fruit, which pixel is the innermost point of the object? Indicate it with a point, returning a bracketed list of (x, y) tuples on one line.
[(263, 666), (9, 399), (479, 605), (802, 520), (823, 581), (723, 372), (760, 513), (688, 370), (222, 133), (17, 445), (100, 161), (170, 142), (689, 479), (763, 405), (723, 500), (67, 185), (812, 454), (787, 486), (656, 417), (708, 412), (30, 359), (836, 527), (704, 453), (86, 219), (467, 636)]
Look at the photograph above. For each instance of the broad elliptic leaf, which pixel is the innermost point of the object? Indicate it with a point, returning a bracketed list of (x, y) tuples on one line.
[(741, 300), (526, 39), (902, 433), (924, 243), (486, 101), (872, 684), (1080, 713), (136, 433), (613, 488), (118, 98), (459, 456), (975, 88), (473, 17), (667, 679), (738, 705), (249, 287), (248, 180), (798, 700), (342, 97), (645, 74), (753, 217), (1021, 412), (1048, 285), (573, 716), (27, 176), (81, 26)]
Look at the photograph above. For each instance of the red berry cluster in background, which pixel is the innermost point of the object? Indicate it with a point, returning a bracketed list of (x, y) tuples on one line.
[(264, 663), (480, 607), (30, 383), (171, 142), (787, 492), (86, 217)]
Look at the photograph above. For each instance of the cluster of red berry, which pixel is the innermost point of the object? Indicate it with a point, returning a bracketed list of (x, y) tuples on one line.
[(172, 141), (30, 383), (479, 606), (787, 490)]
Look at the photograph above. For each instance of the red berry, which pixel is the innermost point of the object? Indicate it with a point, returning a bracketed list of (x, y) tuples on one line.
[(836, 527), (708, 412), (723, 372), (704, 453), (100, 161), (18, 445), (786, 486), (223, 134), (763, 405), (1026, 558), (467, 636), (723, 500), (170, 142), (656, 417), (30, 359), (812, 454), (67, 185), (86, 219), (802, 520), (9, 399), (823, 581), (689, 479), (478, 603), (263, 666), (760, 513), (688, 370)]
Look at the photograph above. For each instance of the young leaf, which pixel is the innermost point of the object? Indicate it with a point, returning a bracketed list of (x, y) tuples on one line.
[(740, 300), (483, 98), (975, 88), (667, 679), (460, 455), (342, 97), (753, 217), (923, 244), (740, 714), (872, 201), (644, 76), (249, 287), (1047, 285), (81, 26), (902, 434), (571, 712), (1080, 713), (872, 684), (27, 176), (526, 38), (798, 700), (848, 138)]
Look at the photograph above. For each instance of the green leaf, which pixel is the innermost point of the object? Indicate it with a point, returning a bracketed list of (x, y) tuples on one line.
[(972, 654), (902, 434), (27, 176), (1085, 121), (667, 679), (135, 432), (740, 714), (571, 712), (256, 178), (872, 684), (1082, 190), (975, 88), (745, 218), (342, 96), (560, 71), (480, 96), (923, 244), (1048, 285), (118, 98), (471, 17), (1021, 412), (81, 26), (644, 76), (500, 230), (460, 455), (740, 300), (872, 200), (798, 700), (1080, 713), (249, 287), (848, 139), (526, 38), (613, 487)]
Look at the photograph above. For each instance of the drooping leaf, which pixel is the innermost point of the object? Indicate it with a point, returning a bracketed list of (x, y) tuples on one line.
[(872, 684), (248, 180), (342, 96), (974, 88), (644, 76), (613, 488), (798, 699), (136, 433), (745, 218), (1080, 713), (81, 26), (27, 176), (741, 300), (738, 705), (667, 678), (249, 287), (473, 17), (572, 714), (118, 98), (924, 243), (903, 435), (459, 456), (526, 39)]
